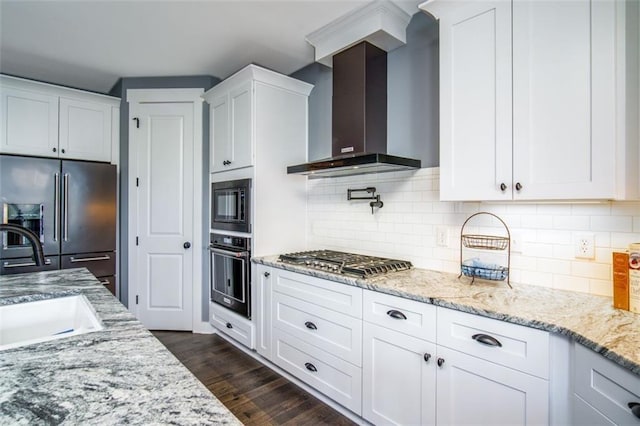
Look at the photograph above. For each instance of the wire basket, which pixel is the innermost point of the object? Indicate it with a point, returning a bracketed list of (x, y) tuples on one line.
[(475, 267), (485, 242)]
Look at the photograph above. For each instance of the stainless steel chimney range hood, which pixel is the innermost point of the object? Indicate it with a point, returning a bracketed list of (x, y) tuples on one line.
[(359, 118)]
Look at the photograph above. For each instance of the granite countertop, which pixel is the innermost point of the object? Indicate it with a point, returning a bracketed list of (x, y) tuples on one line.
[(119, 375), (590, 320)]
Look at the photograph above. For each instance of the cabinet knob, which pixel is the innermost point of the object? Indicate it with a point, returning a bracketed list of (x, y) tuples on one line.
[(226, 162), (518, 186), (427, 357), (187, 245), (396, 314), (635, 408), (267, 274), (310, 325), (55, 149), (229, 325), (62, 150), (310, 367), (440, 362), (503, 187)]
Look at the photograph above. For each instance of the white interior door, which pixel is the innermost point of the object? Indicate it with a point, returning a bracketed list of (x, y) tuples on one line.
[(165, 226)]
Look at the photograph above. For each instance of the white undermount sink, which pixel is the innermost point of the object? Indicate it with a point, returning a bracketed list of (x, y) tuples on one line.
[(43, 320)]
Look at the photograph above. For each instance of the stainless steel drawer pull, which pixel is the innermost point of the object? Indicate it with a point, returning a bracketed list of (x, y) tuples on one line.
[(105, 282), (635, 408), (310, 367), (90, 259), (20, 265), (485, 339), (396, 314), (310, 325)]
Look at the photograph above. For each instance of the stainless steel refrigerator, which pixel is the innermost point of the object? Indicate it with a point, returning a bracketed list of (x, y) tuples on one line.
[(70, 205)]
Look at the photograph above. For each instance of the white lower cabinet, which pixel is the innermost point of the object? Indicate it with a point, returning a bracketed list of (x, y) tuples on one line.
[(399, 378), (407, 380), (474, 391), (605, 393)]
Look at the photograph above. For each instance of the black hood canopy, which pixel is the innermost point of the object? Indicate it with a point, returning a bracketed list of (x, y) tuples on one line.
[(359, 118)]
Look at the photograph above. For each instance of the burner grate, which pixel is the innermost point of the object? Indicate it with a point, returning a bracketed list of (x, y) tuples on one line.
[(345, 263)]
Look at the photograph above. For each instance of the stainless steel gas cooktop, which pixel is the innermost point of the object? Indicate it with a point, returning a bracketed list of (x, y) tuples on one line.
[(345, 263)]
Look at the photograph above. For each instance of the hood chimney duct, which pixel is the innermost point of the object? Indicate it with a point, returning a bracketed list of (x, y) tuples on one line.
[(359, 113)]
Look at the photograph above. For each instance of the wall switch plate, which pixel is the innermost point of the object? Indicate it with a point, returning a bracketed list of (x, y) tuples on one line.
[(585, 246), (516, 242), (442, 236)]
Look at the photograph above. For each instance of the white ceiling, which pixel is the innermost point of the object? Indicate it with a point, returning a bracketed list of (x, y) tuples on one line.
[(89, 44)]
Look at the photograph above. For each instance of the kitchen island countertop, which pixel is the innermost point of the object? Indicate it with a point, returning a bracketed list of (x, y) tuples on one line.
[(590, 320), (119, 375)]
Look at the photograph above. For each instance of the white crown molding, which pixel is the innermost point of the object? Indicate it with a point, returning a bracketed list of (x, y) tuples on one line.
[(381, 23)]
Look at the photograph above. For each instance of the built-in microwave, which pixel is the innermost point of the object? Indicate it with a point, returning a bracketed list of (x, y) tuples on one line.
[(230, 205)]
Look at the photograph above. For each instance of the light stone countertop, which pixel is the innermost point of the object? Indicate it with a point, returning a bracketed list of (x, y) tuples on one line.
[(119, 375), (588, 319)]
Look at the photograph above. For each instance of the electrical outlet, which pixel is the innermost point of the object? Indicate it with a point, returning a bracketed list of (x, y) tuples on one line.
[(442, 236), (585, 246)]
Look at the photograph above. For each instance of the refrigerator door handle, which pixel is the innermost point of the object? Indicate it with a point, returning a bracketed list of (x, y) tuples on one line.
[(56, 206), (65, 219)]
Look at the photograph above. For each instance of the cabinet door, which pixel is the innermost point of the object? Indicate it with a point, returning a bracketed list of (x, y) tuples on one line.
[(399, 377), (471, 391), (564, 99), (85, 130), (240, 100), (261, 297), (475, 101), (220, 134), (29, 123)]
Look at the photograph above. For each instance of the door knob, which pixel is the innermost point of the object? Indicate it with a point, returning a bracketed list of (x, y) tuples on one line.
[(186, 245)]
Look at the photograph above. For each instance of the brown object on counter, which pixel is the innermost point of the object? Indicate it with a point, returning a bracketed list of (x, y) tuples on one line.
[(621, 280)]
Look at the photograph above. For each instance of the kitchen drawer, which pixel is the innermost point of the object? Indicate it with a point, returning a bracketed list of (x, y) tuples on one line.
[(337, 297), (604, 385), (585, 414), (334, 377), (515, 346), (26, 264), (406, 316), (231, 324), (336, 333), (99, 264)]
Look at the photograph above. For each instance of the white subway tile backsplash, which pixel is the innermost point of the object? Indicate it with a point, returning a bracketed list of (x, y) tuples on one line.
[(405, 229)]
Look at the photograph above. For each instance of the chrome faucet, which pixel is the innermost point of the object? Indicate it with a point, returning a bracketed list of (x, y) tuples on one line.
[(38, 253)]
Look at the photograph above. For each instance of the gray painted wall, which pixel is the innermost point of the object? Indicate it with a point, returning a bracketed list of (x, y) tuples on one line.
[(120, 90), (412, 97)]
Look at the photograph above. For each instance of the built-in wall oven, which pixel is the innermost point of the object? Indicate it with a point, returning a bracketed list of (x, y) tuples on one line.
[(230, 205), (230, 275)]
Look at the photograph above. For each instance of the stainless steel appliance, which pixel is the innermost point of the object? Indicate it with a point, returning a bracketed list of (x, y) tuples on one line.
[(230, 205), (339, 262), (231, 272), (70, 206)]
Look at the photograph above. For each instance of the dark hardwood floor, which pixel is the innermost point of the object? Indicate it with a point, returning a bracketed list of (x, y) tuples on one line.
[(255, 394)]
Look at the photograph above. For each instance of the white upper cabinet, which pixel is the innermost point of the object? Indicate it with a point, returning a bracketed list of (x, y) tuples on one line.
[(231, 127), (49, 121), (536, 100)]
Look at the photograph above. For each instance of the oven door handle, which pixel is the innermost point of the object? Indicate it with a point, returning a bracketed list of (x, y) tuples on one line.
[(229, 252)]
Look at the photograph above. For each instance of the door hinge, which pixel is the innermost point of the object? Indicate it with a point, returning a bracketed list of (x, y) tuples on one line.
[(137, 181), (136, 299), (137, 241), (137, 120)]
